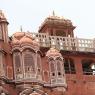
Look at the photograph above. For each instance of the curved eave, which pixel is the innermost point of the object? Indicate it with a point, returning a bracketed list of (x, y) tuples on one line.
[(22, 47), (54, 23)]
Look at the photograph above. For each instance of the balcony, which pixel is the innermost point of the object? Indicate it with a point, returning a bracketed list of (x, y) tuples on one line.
[(64, 43)]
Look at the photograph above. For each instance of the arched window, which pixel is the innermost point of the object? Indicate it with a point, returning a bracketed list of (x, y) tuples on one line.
[(17, 60), (88, 66), (52, 70), (69, 66), (56, 70), (17, 65), (29, 64), (59, 69)]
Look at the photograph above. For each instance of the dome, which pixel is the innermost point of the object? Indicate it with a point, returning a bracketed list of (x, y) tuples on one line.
[(19, 35), (53, 52), (58, 20), (15, 42), (26, 39), (22, 38)]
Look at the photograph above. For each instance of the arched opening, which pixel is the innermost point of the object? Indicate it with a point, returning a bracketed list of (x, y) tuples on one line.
[(59, 69), (52, 70), (17, 65), (69, 66), (88, 66), (56, 70)]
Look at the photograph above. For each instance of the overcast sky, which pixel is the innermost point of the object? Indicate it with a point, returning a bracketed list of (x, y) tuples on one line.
[(31, 13)]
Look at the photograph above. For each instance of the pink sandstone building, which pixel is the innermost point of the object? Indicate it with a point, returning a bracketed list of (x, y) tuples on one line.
[(50, 62)]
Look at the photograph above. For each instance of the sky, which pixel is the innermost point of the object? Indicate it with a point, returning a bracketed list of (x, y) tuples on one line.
[(31, 13)]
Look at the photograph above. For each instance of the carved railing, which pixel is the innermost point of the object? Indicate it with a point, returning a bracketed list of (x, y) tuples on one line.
[(65, 43)]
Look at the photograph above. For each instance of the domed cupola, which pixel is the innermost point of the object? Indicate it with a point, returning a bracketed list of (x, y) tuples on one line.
[(23, 40), (52, 52), (29, 41), (15, 42), (56, 68), (26, 40), (19, 35)]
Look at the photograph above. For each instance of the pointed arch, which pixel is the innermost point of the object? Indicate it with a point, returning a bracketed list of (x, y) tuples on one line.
[(57, 73), (23, 48), (52, 68)]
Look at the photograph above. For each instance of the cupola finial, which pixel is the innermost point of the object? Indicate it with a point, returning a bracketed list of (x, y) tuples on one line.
[(53, 13)]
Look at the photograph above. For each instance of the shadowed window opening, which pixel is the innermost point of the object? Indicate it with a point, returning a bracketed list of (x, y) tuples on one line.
[(69, 66), (88, 67)]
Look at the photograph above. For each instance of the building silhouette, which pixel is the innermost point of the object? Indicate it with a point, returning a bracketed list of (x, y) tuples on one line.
[(50, 62)]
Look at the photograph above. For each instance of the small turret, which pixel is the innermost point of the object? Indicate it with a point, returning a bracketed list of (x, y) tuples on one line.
[(3, 27)]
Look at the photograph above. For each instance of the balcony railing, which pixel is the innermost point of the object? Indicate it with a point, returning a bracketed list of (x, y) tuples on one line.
[(65, 43), (89, 71)]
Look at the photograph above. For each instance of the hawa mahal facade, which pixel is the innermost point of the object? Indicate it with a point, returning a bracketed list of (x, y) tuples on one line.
[(50, 62)]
